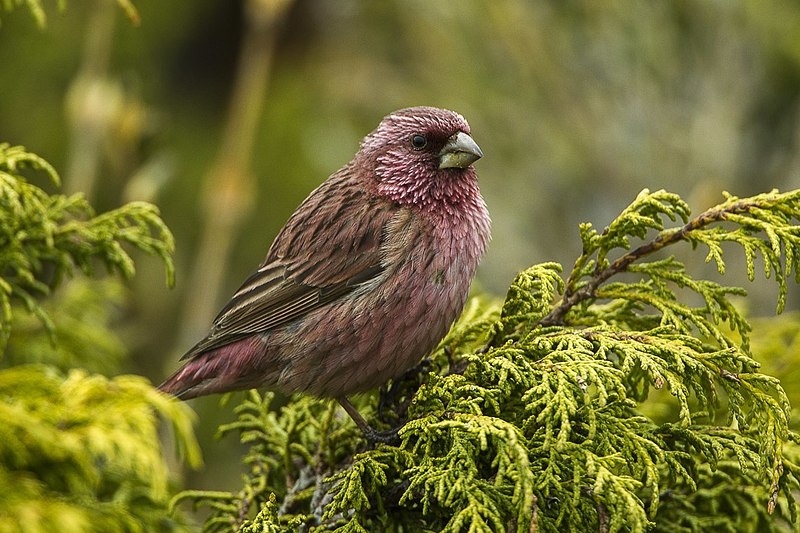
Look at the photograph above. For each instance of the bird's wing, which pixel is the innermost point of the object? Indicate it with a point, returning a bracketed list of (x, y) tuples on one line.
[(329, 246)]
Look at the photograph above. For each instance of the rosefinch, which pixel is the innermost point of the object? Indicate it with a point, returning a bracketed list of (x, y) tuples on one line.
[(365, 278)]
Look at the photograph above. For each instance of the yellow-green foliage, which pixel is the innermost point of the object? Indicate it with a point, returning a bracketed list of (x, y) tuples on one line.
[(44, 237), (78, 452), (598, 402), (778, 347), (37, 9), (81, 314)]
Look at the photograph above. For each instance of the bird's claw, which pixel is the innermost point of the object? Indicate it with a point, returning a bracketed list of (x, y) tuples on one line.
[(390, 436)]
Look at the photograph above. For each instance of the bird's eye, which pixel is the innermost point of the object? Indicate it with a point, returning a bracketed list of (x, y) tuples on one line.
[(418, 141)]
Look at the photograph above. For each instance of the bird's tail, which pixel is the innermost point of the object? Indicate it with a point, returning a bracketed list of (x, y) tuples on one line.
[(224, 369), (186, 383)]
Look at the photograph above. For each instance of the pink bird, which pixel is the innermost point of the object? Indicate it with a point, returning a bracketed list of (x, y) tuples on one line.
[(365, 278)]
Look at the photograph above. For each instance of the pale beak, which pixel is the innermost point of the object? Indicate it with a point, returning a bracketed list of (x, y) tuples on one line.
[(459, 152)]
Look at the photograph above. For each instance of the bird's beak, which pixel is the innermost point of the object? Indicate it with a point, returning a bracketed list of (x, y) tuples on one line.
[(460, 151)]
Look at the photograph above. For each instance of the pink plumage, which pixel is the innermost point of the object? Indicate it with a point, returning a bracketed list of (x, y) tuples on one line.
[(364, 279)]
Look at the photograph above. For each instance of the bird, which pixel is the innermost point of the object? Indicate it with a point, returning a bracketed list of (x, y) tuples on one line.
[(365, 278)]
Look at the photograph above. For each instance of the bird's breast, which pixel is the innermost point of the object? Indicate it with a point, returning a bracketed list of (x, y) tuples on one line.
[(390, 322)]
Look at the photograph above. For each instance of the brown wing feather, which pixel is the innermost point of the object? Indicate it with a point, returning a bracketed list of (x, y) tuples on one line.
[(305, 268)]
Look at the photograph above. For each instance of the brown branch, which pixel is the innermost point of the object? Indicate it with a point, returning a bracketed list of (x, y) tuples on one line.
[(665, 238), (535, 517)]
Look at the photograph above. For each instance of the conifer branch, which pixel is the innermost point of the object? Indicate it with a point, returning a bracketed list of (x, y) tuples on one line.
[(576, 293), (78, 452), (45, 238), (535, 417)]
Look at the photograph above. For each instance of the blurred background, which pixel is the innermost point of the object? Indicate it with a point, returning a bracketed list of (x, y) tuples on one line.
[(226, 114)]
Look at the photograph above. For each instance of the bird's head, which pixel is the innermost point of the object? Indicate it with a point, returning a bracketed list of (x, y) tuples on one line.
[(422, 157)]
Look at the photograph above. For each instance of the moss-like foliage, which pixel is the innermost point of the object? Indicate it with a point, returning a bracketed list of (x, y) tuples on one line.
[(78, 452), (595, 402)]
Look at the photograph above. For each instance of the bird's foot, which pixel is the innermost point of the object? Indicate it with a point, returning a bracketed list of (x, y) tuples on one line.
[(374, 436), (390, 436)]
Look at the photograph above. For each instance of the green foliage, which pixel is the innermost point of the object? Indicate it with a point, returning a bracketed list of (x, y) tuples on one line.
[(34, 6), (83, 315), (37, 9), (601, 402), (778, 346), (78, 452), (44, 237)]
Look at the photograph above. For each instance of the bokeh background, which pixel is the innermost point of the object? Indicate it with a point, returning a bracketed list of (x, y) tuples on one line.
[(227, 113)]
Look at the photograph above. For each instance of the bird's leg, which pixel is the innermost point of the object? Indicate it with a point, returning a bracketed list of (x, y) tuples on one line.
[(372, 434)]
